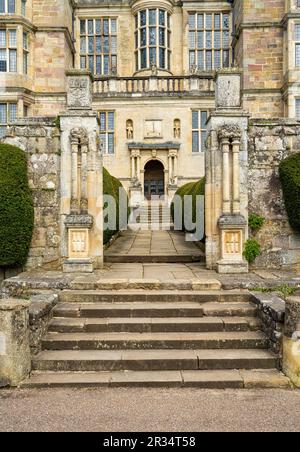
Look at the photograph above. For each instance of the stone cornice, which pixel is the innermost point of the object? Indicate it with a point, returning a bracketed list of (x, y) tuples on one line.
[(288, 17), (18, 20)]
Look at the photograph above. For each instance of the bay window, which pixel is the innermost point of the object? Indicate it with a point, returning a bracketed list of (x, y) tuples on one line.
[(8, 50), (153, 39)]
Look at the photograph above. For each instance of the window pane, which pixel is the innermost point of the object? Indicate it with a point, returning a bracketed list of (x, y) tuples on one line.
[(114, 26), (2, 38), (217, 59), (98, 65), (195, 120), (110, 143), (203, 119), (152, 36), (2, 6), (12, 61), (111, 121), (200, 21), (91, 44), (12, 111), (152, 17), (11, 6), (162, 37), (195, 141), (106, 64), (90, 27), (209, 21), (192, 37), (201, 60), (23, 8), (143, 58), (98, 27), (203, 141), (83, 62), (83, 45), (162, 58), (82, 27), (162, 17), (298, 55), (103, 142), (297, 102), (113, 44), (153, 56), (91, 64), (103, 122), (143, 36), (3, 61), (192, 21), (3, 114), (106, 27), (143, 18), (12, 38)]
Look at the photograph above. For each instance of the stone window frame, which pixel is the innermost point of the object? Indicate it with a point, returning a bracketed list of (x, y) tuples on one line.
[(199, 131), (25, 40), (107, 133), (297, 44), (10, 115), (9, 47), (152, 49), (204, 46), (101, 62), (297, 107), (7, 6)]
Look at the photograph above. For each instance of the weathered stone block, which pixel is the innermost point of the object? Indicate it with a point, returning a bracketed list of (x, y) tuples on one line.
[(15, 360)]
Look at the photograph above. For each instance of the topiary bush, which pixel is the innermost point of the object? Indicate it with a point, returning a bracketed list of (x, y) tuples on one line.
[(289, 173), (16, 207), (193, 189), (252, 250), (111, 186)]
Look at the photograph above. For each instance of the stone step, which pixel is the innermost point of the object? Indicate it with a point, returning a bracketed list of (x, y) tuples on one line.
[(156, 310), (202, 379), (155, 325), (146, 296), (153, 258), (149, 341), (148, 360)]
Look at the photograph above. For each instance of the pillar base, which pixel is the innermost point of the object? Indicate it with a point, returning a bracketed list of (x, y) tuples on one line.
[(226, 267), (78, 266)]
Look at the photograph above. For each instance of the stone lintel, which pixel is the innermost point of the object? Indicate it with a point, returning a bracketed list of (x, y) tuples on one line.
[(232, 222), (159, 146), (79, 221)]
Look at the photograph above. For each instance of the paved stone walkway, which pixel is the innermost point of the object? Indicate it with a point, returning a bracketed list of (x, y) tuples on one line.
[(159, 243), (149, 410)]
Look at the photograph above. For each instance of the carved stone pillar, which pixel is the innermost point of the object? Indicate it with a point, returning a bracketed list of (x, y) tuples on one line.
[(81, 179), (226, 193)]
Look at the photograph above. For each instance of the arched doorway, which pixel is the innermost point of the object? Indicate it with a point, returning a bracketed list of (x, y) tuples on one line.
[(154, 179)]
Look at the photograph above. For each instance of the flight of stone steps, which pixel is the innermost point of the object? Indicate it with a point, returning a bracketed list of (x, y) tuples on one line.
[(154, 338), (156, 214)]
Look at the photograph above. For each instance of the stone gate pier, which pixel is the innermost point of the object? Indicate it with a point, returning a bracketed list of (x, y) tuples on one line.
[(81, 179), (226, 203)]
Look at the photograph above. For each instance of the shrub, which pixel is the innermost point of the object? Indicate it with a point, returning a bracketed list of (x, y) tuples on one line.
[(193, 189), (16, 207), (111, 186), (256, 222), (252, 250), (289, 172)]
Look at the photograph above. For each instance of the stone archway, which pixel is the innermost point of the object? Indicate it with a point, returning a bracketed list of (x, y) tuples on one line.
[(154, 179)]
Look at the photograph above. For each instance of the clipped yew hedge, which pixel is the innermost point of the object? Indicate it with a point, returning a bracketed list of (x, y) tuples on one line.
[(16, 207), (193, 189), (289, 172), (111, 186)]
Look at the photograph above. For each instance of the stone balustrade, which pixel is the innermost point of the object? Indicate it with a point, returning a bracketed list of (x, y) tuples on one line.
[(146, 86)]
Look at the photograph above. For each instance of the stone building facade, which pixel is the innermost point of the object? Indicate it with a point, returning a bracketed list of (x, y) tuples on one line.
[(153, 65)]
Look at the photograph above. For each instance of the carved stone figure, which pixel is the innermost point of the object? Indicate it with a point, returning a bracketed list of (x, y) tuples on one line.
[(177, 129), (154, 70), (79, 135), (129, 129)]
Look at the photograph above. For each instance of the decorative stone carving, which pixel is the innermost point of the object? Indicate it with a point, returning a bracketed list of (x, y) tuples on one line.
[(228, 89), (229, 131), (79, 135), (177, 129), (79, 93), (129, 129), (154, 70), (153, 128), (194, 69)]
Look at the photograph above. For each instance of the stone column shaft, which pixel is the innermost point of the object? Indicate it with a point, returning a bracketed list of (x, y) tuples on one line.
[(84, 183), (236, 176), (138, 166), (74, 173), (226, 178)]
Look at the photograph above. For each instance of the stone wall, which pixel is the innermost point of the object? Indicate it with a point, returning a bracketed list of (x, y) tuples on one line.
[(269, 143), (40, 139)]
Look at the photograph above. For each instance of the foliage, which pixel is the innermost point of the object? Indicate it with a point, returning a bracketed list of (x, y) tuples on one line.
[(256, 222), (252, 250), (193, 189), (289, 172), (285, 290), (111, 186), (16, 207)]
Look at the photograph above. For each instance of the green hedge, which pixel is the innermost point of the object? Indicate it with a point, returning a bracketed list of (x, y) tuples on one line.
[(193, 189), (111, 186), (289, 171), (16, 207)]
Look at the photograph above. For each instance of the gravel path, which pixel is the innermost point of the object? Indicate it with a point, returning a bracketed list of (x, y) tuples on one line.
[(181, 410)]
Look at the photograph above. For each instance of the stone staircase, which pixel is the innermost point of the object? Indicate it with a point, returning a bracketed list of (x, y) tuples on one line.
[(155, 338), (156, 214)]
